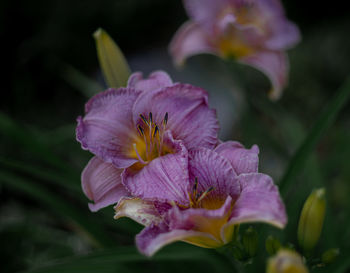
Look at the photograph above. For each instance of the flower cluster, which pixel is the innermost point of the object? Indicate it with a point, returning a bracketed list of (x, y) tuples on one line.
[(255, 32), (157, 155)]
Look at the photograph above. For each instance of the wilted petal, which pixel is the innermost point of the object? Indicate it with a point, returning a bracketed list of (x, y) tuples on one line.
[(101, 183), (274, 64), (213, 170), (242, 160), (156, 80), (154, 237), (259, 201), (141, 211), (189, 117), (164, 178), (189, 40), (107, 129)]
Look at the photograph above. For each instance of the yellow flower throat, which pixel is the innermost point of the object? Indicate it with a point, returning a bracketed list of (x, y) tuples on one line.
[(150, 141)]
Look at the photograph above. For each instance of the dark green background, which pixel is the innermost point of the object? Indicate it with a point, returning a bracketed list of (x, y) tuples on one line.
[(44, 45)]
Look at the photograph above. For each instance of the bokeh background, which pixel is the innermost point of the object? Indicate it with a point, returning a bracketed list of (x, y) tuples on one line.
[(50, 69)]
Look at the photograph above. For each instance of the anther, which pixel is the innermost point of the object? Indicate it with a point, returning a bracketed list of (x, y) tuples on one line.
[(165, 121), (195, 186), (139, 128), (155, 131), (144, 119), (204, 194), (150, 117)]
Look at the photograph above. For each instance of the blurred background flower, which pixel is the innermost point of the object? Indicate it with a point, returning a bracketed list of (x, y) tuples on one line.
[(51, 69), (255, 33)]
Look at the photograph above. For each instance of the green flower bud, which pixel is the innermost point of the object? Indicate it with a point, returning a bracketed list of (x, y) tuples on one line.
[(311, 220), (250, 241), (330, 255), (272, 245), (286, 261)]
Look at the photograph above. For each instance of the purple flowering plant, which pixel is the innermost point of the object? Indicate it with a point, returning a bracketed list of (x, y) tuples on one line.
[(139, 134), (220, 192), (193, 170), (255, 33), (158, 157)]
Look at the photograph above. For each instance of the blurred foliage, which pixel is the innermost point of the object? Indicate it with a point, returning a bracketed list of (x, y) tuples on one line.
[(51, 68)]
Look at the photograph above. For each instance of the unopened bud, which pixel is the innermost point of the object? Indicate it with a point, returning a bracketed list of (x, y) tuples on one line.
[(272, 245), (250, 241), (311, 219), (330, 255), (286, 261)]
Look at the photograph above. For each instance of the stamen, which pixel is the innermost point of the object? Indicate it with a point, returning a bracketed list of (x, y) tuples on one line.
[(157, 140), (196, 197), (161, 133), (195, 187), (155, 131), (146, 143), (165, 121), (204, 194), (150, 129), (153, 136), (144, 119), (140, 130), (138, 155)]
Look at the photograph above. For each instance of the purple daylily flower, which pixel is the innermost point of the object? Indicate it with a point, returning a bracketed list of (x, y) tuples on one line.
[(255, 32), (223, 189), (136, 131)]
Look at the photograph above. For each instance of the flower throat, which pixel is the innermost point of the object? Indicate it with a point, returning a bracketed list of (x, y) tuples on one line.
[(150, 144)]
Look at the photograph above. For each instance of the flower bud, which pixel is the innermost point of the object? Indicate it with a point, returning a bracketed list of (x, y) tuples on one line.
[(272, 245), (286, 261), (311, 219), (250, 241), (330, 255)]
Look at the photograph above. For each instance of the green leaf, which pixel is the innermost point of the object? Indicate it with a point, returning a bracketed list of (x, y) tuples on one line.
[(47, 175), (60, 206), (81, 82), (325, 120), (110, 260), (26, 140), (112, 61)]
